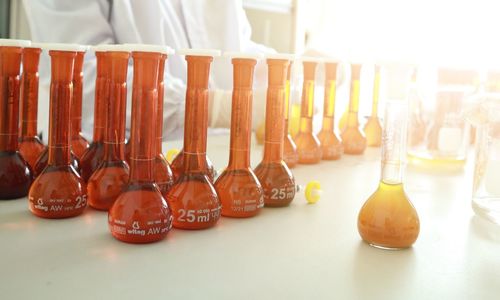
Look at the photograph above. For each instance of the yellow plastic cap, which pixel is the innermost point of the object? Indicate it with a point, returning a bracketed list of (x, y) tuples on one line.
[(171, 154), (313, 192)]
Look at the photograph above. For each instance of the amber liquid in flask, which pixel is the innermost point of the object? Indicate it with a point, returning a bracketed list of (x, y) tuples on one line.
[(78, 143), (353, 139), (15, 173), (373, 128), (30, 145), (162, 172), (109, 179), (194, 201), (140, 214), (290, 154), (93, 156), (238, 188), (274, 175), (308, 145), (331, 146), (388, 219), (59, 191)]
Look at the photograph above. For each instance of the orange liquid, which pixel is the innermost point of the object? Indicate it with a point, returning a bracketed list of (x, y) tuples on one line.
[(31, 148), (353, 139), (79, 145), (277, 183), (163, 175), (59, 192), (178, 165), (388, 219), (373, 132), (140, 215), (290, 155), (240, 193), (331, 147), (107, 183), (43, 160)]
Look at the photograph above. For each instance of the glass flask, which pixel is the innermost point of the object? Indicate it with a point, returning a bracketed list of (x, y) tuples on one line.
[(112, 174), (238, 188), (59, 191), (290, 155), (353, 139), (447, 134), (15, 173), (308, 145), (78, 143), (485, 189), (274, 175), (94, 154), (331, 146), (162, 172), (388, 219), (373, 128), (30, 145), (417, 122), (140, 214), (178, 163), (194, 201)]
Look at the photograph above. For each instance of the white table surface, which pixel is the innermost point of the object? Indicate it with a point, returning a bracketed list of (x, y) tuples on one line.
[(299, 252)]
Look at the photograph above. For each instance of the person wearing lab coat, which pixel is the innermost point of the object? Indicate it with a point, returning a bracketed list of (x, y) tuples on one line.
[(215, 24)]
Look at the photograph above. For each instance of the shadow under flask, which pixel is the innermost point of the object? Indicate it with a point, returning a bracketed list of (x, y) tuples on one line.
[(94, 154), (373, 128), (238, 188), (111, 176), (194, 201), (162, 172), (353, 139), (59, 191), (30, 145), (331, 145), (140, 214), (308, 145), (274, 175), (388, 219), (15, 173), (78, 143), (290, 154)]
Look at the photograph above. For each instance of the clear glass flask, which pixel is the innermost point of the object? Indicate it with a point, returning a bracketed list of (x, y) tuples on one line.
[(290, 154), (93, 156), (447, 134), (331, 146), (275, 177), (59, 191), (140, 214), (238, 188), (15, 174), (485, 189), (388, 219), (373, 128), (78, 142), (112, 174), (308, 145), (194, 201), (30, 145), (353, 139)]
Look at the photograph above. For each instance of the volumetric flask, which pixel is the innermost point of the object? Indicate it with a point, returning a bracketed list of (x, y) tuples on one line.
[(308, 145), (238, 188), (331, 146), (112, 174), (290, 154), (30, 145), (59, 191), (15, 173), (194, 201), (140, 214), (78, 143), (373, 128), (274, 175)]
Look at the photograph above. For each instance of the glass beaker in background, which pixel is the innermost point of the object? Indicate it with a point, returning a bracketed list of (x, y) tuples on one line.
[(486, 187), (438, 132)]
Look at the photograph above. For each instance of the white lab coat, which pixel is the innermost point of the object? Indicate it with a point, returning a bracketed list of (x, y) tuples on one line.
[(218, 24)]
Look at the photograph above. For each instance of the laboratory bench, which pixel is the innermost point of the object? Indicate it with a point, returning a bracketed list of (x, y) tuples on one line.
[(304, 251)]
